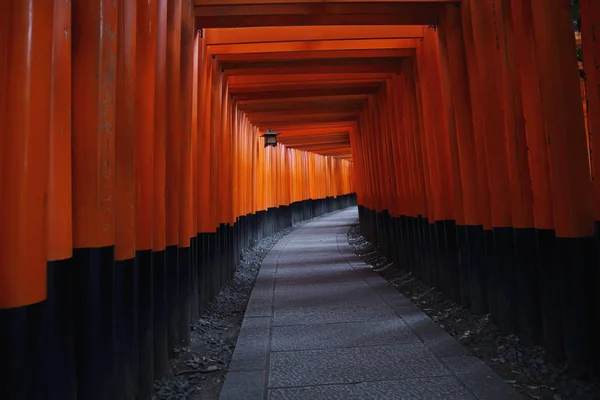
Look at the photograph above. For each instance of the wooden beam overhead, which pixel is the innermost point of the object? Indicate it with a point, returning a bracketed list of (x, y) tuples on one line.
[(303, 45), (303, 93), (294, 86), (307, 117), (315, 14), (241, 81), (311, 64), (314, 54), (242, 103), (308, 106), (283, 126), (308, 33)]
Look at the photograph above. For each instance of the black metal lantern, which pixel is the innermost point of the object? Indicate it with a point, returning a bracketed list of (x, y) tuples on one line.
[(270, 138)]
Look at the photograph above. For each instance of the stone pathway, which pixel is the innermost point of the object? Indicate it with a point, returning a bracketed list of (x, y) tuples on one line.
[(321, 325)]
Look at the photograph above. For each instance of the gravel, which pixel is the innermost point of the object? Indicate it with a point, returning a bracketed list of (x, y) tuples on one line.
[(524, 367), (198, 371)]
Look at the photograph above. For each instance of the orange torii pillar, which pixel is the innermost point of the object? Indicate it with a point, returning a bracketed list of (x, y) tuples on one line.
[(26, 118), (590, 26), (528, 321), (94, 94), (125, 279), (569, 176), (172, 177), (463, 150), (144, 94), (539, 170), (491, 129), (159, 238)]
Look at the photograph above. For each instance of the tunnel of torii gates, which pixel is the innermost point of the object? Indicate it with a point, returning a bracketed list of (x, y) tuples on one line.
[(133, 174)]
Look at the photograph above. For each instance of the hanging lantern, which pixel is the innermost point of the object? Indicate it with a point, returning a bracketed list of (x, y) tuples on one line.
[(270, 138)]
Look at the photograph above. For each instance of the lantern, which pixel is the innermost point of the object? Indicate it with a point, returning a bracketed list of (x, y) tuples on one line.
[(270, 138)]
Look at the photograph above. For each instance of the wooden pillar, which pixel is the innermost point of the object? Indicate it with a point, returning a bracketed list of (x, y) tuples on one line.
[(590, 26), (491, 129), (428, 161), (159, 238), (146, 34), (94, 83), (185, 167), (56, 351), (194, 228), (535, 131), (26, 119), (25, 123), (481, 267), (569, 173), (455, 238), (125, 276), (173, 159), (526, 265)]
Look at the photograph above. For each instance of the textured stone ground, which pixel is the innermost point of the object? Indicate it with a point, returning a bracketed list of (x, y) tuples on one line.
[(198, 370), (320, 324), (526, 367)]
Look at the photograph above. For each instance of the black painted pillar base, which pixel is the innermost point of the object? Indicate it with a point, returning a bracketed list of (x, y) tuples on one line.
[(160, 313), (14, 348), (528, 310), (172, 273), (94, 322), (464, 265), (504, 250), (185, 295), (449, 270), (146, 324), (126, 328), (193, 283), (52, 341), (210, 269), (577, 258), (549, 286)]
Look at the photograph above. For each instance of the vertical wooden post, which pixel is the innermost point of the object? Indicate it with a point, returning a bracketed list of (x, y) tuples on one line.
[(125, 278), (173, 158), (526, 270), (25, 124), (195, 304), (94, 82), (26, 120), (535, 131), (144, 162), (56, 335), (487, 46), (159, 237), (454, 237), (590, 32), (569, 173), (590, 28), (185, 166)]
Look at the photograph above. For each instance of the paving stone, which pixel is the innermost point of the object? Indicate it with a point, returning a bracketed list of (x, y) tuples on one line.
[(244, 385), (480, 379), (447, 388), (259, 307), (351, 334), (253, 340), (438, 340), (322, 294), (370, 310), (357, 364)]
